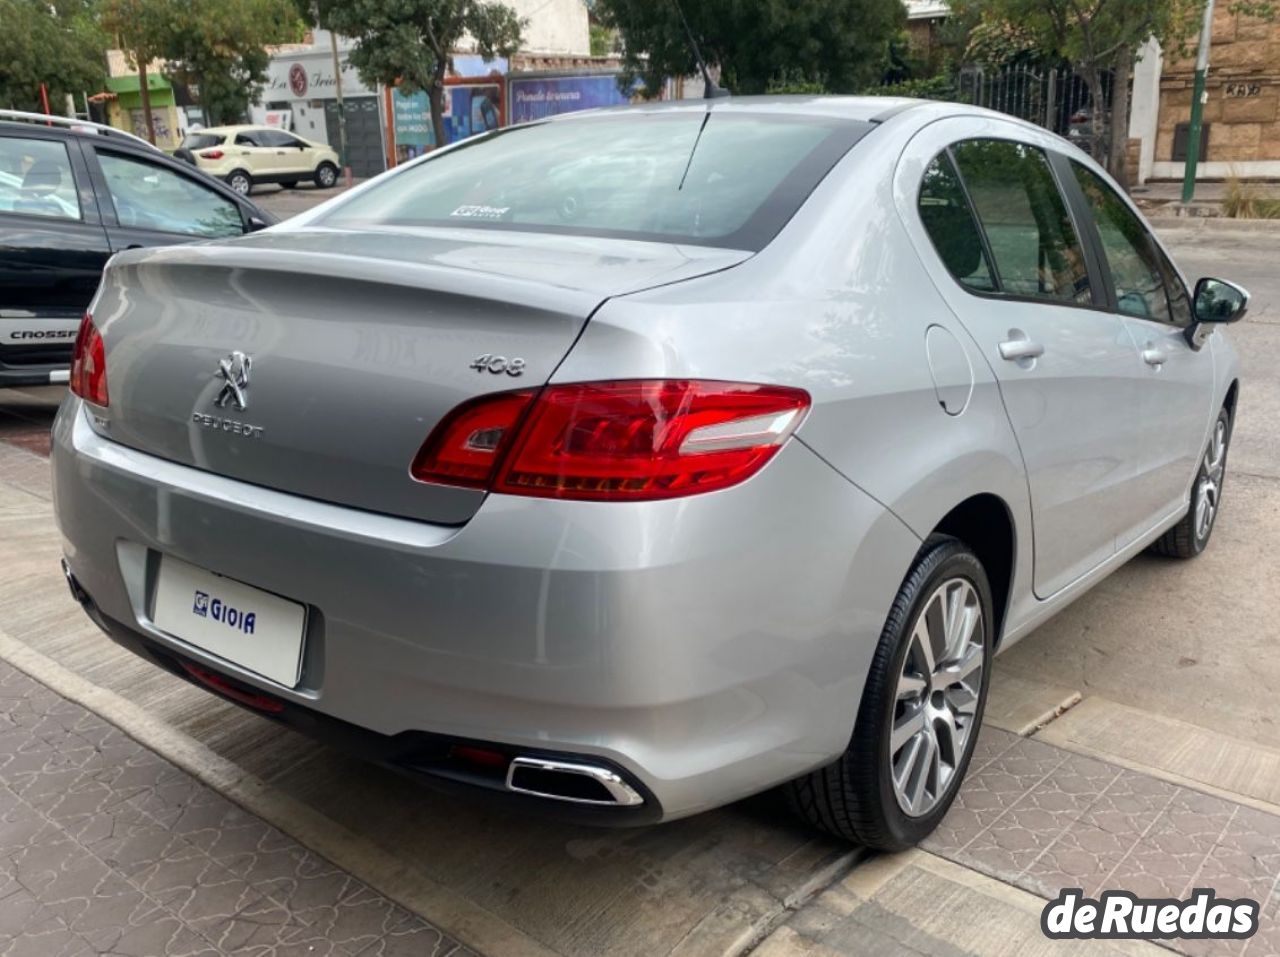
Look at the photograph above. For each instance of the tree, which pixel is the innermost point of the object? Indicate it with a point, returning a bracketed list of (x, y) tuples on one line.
[(220, 50), (840, 45), (411, 42), (142, 29), (58, 45)]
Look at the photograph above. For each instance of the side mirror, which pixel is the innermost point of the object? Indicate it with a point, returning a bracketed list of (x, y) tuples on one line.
[(1217, 300), (255, 224)]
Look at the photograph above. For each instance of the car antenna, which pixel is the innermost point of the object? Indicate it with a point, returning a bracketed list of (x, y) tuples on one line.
[(711, 91)]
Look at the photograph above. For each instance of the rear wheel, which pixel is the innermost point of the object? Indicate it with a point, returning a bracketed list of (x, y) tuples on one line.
[(921, 709), (326, 175), (240, 181), (1189, 537)]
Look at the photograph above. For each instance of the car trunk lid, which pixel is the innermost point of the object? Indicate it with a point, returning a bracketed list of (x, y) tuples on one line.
[(357, 344)]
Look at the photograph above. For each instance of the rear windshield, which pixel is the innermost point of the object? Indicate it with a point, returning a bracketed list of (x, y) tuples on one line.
[(200, 141), (710, 179)]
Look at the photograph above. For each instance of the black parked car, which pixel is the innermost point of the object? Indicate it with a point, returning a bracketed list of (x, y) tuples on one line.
[(71, 194)]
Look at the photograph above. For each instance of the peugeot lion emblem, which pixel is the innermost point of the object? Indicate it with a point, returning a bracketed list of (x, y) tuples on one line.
[(234, 373)]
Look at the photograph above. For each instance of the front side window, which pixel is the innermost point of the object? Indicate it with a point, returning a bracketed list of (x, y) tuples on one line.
[(36, 179), (1129, 250), (1037, 253), (945, 212), (726, 179), (147, 196)]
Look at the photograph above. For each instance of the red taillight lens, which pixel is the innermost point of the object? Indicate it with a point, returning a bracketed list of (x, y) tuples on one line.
[(614, 441), (89, 364), (466, 445), (211, 154)]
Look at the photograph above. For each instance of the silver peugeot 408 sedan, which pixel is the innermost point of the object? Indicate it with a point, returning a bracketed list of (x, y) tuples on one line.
[(636, 461)]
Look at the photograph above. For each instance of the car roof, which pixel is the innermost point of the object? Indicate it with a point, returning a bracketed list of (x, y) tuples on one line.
[(856, 108)]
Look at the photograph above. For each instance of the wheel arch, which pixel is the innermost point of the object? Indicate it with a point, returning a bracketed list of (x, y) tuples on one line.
[(1233, 393), (984, 522)]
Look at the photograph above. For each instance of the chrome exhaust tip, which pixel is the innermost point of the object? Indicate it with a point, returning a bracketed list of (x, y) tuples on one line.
[(572, 782), (77, 592)]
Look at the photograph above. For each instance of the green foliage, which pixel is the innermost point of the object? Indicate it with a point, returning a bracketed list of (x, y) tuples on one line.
[(220, 50), (603, 40), (940, 87), (410, 41), (59, 45), (840, 44), (797, 83)]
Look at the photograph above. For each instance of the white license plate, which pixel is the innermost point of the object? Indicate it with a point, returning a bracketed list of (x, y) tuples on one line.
[(258, 631)]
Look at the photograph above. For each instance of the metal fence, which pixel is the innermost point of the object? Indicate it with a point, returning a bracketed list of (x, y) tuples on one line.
[(1052, 97)]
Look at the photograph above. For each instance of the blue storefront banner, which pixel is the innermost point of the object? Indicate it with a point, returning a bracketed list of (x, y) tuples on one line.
[(533, 98), (469, 109)]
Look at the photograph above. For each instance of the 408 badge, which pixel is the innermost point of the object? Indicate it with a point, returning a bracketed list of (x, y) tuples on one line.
[(1120, 915)]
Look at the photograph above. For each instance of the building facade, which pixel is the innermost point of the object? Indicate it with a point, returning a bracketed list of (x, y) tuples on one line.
[(1241, 107)]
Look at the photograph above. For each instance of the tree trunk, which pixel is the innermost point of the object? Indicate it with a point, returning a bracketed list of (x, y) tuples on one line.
[(1120, 116), (145, 92), (1093, 80), (435, 96)]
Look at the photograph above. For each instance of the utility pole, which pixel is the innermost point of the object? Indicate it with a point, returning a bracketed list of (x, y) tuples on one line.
[(342, 110), (1197, 107)]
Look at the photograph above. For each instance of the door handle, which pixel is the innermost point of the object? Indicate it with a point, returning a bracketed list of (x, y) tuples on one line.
[(1154, 357), (1014, 349)]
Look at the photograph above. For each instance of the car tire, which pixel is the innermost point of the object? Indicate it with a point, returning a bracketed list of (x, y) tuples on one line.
[(877, 793), (1190, 536), (326, 176), (240, 181), (289, 185)]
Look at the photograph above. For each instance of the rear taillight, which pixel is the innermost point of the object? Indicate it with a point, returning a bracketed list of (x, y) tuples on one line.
[(89, 364), (211, 154), (613, 441), (465, 447)]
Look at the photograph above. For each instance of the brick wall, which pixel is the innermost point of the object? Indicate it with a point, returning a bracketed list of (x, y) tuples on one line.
[(1244, 91)]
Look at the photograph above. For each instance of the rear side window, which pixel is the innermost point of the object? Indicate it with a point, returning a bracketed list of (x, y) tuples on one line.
[(249, 139), (200, 141), (728, 179), (36, 179), (947, 218), (1037, 253), (1129, 249)]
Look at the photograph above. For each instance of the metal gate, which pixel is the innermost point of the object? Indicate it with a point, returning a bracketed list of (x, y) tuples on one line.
[(364, 133)]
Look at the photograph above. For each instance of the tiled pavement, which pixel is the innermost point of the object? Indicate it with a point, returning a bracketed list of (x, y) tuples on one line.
[(1043, 818), (107, 848)]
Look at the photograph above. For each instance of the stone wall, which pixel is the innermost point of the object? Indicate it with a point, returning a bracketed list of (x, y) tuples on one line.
[(1243, 89)]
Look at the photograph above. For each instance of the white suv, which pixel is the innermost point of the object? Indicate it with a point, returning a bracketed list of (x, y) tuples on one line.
[(247, 155)]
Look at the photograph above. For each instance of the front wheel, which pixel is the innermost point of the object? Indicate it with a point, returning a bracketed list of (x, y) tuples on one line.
[(1189, 537), (921, 709), (326, 175)]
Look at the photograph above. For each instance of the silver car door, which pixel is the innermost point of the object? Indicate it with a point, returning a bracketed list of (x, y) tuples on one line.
[(1176, 380), (1028, 294)]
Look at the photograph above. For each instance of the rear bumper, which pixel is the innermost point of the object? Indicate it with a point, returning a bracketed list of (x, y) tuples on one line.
[(708, 647)]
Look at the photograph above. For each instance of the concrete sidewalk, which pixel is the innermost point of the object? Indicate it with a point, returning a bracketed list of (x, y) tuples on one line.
[(108, 848)]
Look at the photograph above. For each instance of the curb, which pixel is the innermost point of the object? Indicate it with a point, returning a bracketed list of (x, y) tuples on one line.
[(364, 860), (1215, 225)]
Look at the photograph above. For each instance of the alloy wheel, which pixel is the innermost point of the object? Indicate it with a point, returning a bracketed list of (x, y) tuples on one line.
[(240, 184), (937, 697), (327, 176), (1209, 489)]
